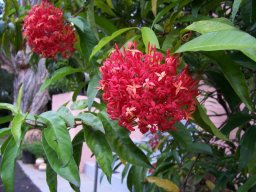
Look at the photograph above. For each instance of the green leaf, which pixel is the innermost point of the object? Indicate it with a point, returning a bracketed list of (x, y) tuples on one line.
[(16, 125), (6, 119), (164, 183), (59, 74), (4, 132), (234, 75), (70, 172), (248, 184), (9, 107), (51, 178), (80, 104), (57, 136), (77, 143), (104, 7), (120, 142), (248, 12), (92, 89), (18, 102), (211, 25), (78, 90), (86, 35), (66, 115), (135, 178), (247, 147), (235, 8), (91, 120), (223, 40), (149, 38), (98, 144), (105, 24), (200, 117), (104, 41), (8, 165)]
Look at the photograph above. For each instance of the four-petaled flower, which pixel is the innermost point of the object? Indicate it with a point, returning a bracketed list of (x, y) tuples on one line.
[(160, 75)]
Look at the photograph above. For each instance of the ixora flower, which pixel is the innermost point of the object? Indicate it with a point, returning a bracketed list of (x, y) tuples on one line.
[(46, 31), (145, 91)]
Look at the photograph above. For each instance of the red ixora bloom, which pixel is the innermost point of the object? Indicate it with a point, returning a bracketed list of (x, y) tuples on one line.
[(47, 32), (145, 91)]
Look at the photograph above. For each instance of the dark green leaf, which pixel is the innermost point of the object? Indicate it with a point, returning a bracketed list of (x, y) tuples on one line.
[(235, 8), (57, 136), (77, 91), (51, 178), (70, 172), (8, 165), (105, 24), (59, 74), (120, 142), (234, 76), (98, 144), (251, 181), (91, 120), (200, 117), (77, 143), (92, 90), (6, 119)]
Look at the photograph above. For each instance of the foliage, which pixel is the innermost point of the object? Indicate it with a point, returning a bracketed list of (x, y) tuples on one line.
[(217, 41)]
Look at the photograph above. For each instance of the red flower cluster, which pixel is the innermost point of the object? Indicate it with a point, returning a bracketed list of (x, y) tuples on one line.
[(144, 90), (47, 33)]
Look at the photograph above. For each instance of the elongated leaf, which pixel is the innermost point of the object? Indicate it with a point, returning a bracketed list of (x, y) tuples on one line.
[(8, 165), (66, 115), (57, 136), (59, 74), (104, 41), (51, 178), (6, 119), (164, 183), (105, 24), (235, 8), (92, 90), (77, 91), (77, 143), (16, 127), (121, 143), (211, 25), (80, 104), (200, 117), (70, 172), (223, 40), (18, 102), (247, 147), (98, 144), (149, 37), (91, 120), (248, 184), (234, 76), (4, 132), (162, 13), (9, 107)]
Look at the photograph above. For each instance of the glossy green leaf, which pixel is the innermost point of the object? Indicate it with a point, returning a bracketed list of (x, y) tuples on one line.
[(104, 41), (66, 115), (92, 90), (16, 125), (98, 144), (247, 147), (251, 181), (8, 165), (79, 105), (78, 90), (77, 144), (234, 75), (235, 8), (70, 172), (59, 74), (57, 136), (135, 178), (200, 117), (149, 37), (51, 178), (223, 40), (9, 107), (120, 142), (211, 25), (91, 120)]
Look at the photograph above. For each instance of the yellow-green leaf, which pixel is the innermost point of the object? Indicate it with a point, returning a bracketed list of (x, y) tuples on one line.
[(164, 183)]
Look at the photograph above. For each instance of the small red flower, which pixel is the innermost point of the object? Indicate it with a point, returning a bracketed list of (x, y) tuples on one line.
[(145, 91), (47, 33)]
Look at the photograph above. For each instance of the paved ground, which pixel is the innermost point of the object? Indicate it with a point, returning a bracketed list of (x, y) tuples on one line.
[(22, 183)]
